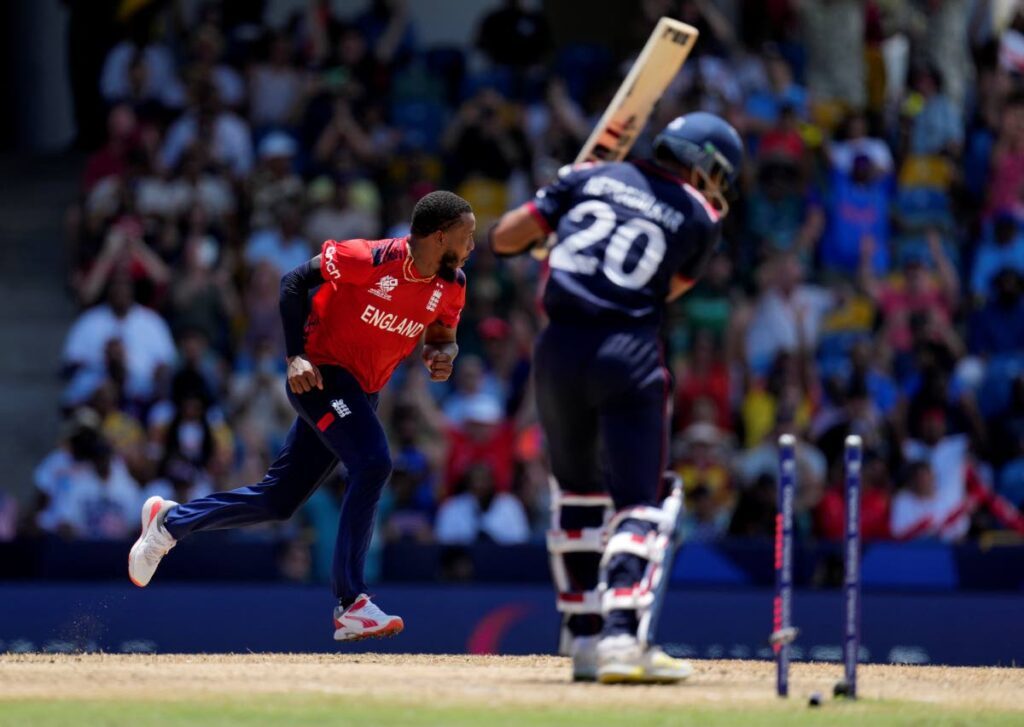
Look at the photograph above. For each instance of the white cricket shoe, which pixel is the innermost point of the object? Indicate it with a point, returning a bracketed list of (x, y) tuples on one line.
[(584, 658), (620, 659), (364, 620), (153, 543)]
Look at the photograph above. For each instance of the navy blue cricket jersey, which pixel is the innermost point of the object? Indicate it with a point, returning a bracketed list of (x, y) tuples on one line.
[(624, 230)]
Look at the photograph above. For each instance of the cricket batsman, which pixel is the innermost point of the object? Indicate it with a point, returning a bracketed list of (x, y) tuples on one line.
[(374, 301), (631, 236)]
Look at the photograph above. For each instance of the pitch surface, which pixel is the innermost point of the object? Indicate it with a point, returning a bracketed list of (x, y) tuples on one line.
[(455, 690)]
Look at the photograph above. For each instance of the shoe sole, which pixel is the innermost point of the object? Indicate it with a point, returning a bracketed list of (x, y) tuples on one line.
[(639, 676), (151, 508), (389, 631)]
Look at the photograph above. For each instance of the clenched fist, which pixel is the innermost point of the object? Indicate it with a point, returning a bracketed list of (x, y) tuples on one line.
[(303, 376), (440, 360)]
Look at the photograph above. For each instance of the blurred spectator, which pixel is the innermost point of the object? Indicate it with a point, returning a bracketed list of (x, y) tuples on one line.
[(475, 391), (406, 507), (933, 502), (998, 327), (112, 158), (294, 561), (833, 31), (479, 512), (782, 95), (207, 52), (147, 342), (704, 378), (556, 127), (260, 311), (124, 254), (122, 430), (484, 141), (141, 68), (202, 297), (1007, 164), (923, 509), (787, 314), (484, 437), (933, 297), (332, 215), (704, 520), (702, 457), (281, 247), (195, 190), (513, 35), (787, 394), (1007, 446), (343, 139), (874, 502), (762, 461), (274, 185), (320, 514), (754, 515), (86, 491), (710, 306), (937, 127), (257, 400), (178, 481), (388, 31), (857, 208), (781, 216), (275, 87), (207, 124), (1001, 246)]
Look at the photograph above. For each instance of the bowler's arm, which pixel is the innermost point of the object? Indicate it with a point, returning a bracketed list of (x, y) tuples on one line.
[(439, 350), (518, 231), (293, 304)]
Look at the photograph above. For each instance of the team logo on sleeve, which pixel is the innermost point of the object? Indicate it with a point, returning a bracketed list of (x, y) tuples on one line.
[(435, 298), (384, 287)]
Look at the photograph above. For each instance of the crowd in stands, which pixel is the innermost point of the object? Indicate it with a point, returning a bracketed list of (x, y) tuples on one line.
[(869, 280)]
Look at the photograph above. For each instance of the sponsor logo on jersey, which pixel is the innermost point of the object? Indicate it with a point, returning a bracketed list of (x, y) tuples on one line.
[(384, 287), (391, 323), (340, 408), (330, 264), (435, 298)]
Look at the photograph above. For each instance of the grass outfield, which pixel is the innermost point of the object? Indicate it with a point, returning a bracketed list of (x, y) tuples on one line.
[(318, 710), (410, 689)]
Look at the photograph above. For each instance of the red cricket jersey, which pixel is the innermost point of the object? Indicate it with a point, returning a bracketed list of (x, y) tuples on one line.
[(374, 307)]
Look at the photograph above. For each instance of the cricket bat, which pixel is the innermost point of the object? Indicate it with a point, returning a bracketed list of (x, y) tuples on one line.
[(620, 125)]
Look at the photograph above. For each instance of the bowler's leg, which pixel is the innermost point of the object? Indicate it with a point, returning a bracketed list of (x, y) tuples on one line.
[(301, 465)]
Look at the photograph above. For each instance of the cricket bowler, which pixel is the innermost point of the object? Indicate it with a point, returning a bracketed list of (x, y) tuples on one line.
[(374, 302)]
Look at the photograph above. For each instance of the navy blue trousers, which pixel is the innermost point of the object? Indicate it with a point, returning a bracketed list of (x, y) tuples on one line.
[(603, 399), (336, 423)]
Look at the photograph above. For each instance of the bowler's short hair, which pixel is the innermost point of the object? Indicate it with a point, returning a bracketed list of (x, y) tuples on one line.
[(438, 211)]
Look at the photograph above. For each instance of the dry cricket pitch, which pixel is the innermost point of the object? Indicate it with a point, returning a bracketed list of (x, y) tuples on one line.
[(366, 689)]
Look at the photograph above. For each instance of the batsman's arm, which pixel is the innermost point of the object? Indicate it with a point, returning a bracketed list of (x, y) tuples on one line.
[(439, 350), (518, 231), (693, 268), (293, 304)]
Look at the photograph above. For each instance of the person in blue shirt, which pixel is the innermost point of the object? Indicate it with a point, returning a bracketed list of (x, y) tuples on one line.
[(1002, 246), (630, 236)]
